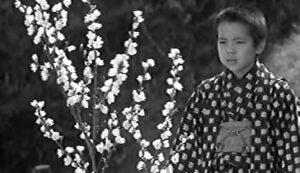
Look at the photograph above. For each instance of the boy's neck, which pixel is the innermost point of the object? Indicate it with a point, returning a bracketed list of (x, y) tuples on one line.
[(240, 76)]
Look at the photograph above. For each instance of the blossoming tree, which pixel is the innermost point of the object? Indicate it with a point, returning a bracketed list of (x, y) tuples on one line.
[(89, 99)]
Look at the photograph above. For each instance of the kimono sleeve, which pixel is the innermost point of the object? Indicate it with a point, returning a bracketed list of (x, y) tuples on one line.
[(287, 134), (185, 152)]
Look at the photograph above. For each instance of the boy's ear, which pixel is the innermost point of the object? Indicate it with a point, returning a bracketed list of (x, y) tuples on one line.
[(260, 47)]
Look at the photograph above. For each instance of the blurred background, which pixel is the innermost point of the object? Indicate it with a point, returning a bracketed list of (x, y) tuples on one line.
[(183, 24)]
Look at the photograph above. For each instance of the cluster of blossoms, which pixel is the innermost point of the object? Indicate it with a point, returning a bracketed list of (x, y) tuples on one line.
[(46, 23), (133, 113), (95, 43), (158, 162), (37, 20), (73, 156), (170, 108), (118, 73), (113, 130), (48, 31), (130, 44), (45, 122)]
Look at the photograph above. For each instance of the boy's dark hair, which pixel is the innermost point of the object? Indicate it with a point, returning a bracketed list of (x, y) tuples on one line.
[(250, 16)]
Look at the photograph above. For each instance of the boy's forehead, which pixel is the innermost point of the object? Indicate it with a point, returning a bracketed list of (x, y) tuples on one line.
[(233, 28)]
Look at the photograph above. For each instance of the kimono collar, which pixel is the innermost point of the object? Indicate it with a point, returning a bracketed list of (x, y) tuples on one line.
[(248, 76)]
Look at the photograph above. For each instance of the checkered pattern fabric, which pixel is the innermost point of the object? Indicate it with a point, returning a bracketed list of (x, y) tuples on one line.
[(260, 97)]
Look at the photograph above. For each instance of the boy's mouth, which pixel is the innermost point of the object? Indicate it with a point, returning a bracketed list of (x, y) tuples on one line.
[(231, 61)]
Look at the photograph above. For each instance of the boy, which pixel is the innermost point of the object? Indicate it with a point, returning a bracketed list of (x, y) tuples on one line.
[(244, 119)]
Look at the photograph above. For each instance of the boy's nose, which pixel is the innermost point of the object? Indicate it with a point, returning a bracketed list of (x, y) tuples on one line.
[(231, 49)]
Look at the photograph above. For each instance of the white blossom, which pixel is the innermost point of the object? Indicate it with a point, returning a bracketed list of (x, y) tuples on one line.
[(60, 36), (104, 134), (120, 140), (45, 74), (169, 168), (180, 68), (170, 81), (67, 160), (138, 96), (34, 67), (30, 30), (85, 103), (154, 169), (166, 134), (103, 108), (92, 16), (145, 65), (91, 35), (67, 3), (161, 157), (79, 170), (80, 148), (71, 101), (141, 165), (137, 13), (170, 91), (160, 126), (178, 61), (131, 49), (29, 19), (59, 153), (134, 34), (147, 76), (99, 62), (137, 134), (110, 97), (69, 149), (147, 155), (100, 147), (113, 72), (87, 72), (17, 3), (49, 122), (173, 53), (97, 44), (169, 105), (116, 132), (151, 62), (157, 144), (163, 171), (57, 7), (178, 86), (126, 125), (144, 143), (71, 48), (140, 79), (175, 158), (166, 144), (37, 38), (165, 112), (94, 26)]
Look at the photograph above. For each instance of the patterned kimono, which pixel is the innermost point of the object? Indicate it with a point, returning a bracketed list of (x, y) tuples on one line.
[(259, 97)]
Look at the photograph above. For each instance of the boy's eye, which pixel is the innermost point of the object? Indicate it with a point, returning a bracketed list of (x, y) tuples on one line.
[(222, 41), (240, 42)]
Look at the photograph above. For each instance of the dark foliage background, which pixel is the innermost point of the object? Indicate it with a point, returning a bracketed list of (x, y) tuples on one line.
[(183, 24)]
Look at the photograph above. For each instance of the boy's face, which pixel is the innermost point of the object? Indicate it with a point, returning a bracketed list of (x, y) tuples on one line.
[(236, 47)]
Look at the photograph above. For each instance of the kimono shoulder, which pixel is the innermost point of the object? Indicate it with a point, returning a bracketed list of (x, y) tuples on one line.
[(210, 85), (284, 98)]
